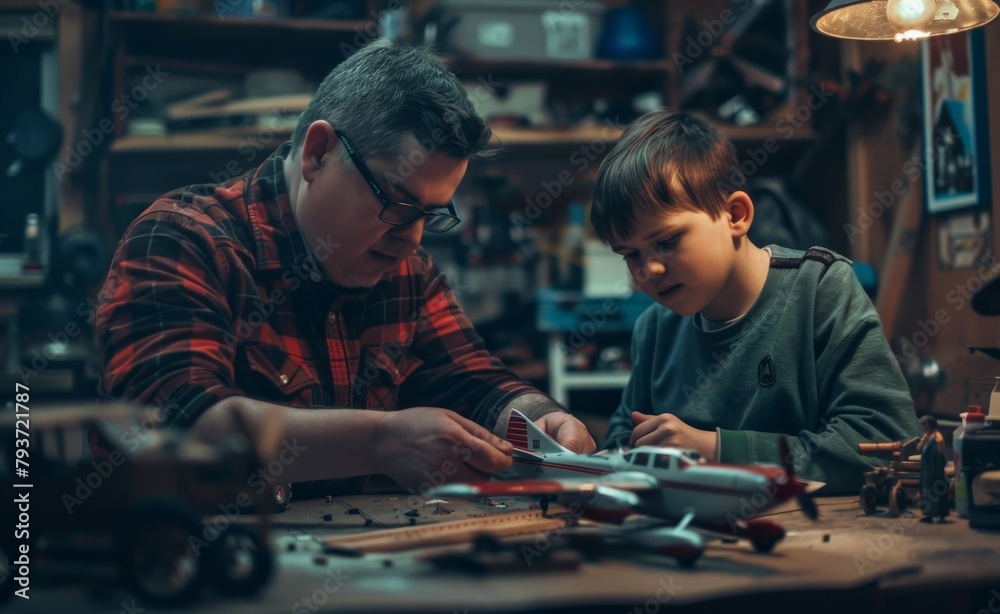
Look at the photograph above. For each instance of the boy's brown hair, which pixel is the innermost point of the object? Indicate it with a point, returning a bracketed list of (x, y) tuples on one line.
[(664, 162)]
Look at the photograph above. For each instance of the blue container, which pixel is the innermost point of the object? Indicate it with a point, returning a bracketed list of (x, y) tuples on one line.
[(560, 311), (626, 35)]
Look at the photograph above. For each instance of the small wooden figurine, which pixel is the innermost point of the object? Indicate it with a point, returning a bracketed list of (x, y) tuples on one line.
[(934, 485)]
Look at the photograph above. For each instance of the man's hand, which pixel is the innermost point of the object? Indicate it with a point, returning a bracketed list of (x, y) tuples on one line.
[(568, 432), (669, 430), (422, 447)]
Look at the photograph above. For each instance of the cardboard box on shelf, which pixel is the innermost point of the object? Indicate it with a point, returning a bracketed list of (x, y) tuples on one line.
[(524, 29)]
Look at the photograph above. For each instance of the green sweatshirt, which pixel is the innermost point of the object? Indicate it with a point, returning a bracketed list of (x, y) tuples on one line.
[(808, 360)]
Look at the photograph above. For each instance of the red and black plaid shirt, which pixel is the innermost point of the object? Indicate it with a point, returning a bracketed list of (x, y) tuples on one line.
[(213, 292)]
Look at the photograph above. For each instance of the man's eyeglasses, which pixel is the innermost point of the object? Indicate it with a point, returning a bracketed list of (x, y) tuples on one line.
[(397, 213)]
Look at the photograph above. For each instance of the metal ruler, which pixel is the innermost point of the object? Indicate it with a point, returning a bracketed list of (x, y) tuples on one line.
[(443, 533)]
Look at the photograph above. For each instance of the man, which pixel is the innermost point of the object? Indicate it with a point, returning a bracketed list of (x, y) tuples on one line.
[(302, 285)]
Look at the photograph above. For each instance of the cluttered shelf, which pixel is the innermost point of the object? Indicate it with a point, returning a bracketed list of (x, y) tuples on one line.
[(144, 33), (231, 99), (146, 37), (533, 94)]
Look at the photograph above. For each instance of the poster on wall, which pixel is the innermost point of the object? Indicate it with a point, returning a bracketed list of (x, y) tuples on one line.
[(955, 122)]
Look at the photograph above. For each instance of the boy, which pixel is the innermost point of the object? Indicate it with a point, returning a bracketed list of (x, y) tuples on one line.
[(747, 345)]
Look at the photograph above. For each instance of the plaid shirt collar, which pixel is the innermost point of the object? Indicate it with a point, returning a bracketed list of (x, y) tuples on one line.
[(279, 242)]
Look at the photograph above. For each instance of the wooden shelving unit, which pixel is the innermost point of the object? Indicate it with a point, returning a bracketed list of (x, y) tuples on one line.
[(210, 44)]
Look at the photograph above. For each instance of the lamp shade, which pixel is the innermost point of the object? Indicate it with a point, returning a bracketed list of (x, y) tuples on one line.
[(901, 19)]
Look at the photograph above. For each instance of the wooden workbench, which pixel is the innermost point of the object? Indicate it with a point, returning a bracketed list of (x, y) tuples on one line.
[(845, 562)]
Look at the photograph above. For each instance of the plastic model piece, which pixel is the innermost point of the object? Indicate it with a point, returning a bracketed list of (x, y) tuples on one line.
[(168, 511), (668, 484)]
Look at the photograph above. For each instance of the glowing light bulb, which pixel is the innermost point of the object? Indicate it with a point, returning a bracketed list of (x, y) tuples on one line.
[(910, 14)]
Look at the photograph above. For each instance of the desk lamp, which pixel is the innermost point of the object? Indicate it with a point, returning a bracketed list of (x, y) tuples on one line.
[(901, 19)]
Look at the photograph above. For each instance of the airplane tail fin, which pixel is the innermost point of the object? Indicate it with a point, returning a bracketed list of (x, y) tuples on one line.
[(524, 435)]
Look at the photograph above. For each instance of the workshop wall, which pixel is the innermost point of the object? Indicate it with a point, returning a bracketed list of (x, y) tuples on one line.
[(924, 306)]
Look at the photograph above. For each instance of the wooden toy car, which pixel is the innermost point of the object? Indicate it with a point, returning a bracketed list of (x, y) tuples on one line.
[(168, 511), (898, 483)]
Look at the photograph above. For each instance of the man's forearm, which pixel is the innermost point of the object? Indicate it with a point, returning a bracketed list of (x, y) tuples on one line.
[(534, 406), (327, 444)]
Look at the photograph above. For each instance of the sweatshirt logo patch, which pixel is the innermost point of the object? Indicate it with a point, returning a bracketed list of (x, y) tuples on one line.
[(765, 371)]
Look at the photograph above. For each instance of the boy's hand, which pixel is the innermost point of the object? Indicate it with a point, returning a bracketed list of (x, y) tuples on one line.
[(669, 430)]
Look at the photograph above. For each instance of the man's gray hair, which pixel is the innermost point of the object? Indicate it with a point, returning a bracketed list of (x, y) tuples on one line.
[(384, 92)]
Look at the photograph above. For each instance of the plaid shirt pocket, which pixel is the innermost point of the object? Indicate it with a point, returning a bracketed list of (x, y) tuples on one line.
[(273, 374)]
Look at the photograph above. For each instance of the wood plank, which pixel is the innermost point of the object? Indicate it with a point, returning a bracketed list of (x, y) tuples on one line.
[(71, 46), (174, 142), (224, 138), (247, 106), (897, 268)]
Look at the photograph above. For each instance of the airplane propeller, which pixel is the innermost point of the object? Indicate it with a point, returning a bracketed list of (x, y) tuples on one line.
[(808, 505), (804, 498)]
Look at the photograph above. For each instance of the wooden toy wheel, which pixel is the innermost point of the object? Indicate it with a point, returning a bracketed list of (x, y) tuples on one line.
[(157, 554), (242, 561), (897, 500), (869, 499), (765, 544)]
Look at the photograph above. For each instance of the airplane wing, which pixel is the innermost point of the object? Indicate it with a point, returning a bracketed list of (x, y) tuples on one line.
[(686, 520), (625, 483), (686, 545)]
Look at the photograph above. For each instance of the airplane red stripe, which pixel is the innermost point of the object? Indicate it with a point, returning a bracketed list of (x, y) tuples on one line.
[(517, 433), (767, 472), (708, 489), (535, 487)]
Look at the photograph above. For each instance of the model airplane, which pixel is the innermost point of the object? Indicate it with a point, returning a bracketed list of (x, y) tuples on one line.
[(665, 483)]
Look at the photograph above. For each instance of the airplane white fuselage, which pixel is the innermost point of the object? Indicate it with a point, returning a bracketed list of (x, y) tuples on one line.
[(718, 493)]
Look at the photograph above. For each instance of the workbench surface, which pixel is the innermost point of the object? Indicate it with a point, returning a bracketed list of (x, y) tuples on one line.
[(844, 562)]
